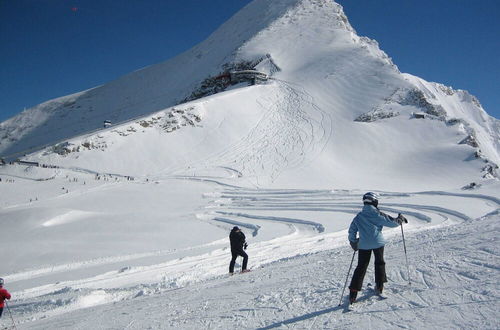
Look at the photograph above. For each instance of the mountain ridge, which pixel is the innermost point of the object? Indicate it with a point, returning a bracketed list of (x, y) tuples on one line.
[(329, 79), (12, 129)]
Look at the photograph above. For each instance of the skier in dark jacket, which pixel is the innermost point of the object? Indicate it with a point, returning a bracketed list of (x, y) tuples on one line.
[(368, 223), (238, 243), (4, 294)]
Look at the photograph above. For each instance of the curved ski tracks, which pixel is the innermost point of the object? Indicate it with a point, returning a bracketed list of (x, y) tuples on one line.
[(292, 131), (230, 205)]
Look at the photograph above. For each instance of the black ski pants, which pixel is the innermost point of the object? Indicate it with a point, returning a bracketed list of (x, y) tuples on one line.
[(363, 261), (235, 253), (1, 311)]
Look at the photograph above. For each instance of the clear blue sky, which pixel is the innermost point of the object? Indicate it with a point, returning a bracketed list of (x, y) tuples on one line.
[(51, 48)]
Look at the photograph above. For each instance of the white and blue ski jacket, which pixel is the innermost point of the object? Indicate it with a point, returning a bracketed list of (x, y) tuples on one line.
[(369, 223)]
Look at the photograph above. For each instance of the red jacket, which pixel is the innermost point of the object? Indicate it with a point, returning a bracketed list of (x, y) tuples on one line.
[(4, 294)]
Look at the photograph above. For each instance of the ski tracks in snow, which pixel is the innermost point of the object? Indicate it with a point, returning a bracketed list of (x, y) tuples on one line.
[(292, 131), (303, 293), (312, 220)]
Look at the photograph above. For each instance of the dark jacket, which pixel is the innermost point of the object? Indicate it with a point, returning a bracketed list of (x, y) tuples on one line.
[(237, 239)]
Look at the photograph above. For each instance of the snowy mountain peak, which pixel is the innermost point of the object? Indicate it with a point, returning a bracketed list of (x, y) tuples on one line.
[(262, 28), (283, 88), (290, 23), (158, 86)]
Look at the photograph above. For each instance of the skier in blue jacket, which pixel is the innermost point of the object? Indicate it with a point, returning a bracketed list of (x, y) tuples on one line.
[(368, 224)]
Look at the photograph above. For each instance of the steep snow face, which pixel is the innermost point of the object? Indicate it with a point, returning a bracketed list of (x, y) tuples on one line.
[(336, 112), (464, 109)]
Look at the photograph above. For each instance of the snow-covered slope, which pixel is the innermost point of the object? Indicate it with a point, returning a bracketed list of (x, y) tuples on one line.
[(456, 289), (336, 109), (140, 92), (139, 212)]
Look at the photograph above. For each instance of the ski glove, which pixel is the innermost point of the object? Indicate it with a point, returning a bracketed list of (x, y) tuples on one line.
[(354, 245), (245, 246), (400, 219)]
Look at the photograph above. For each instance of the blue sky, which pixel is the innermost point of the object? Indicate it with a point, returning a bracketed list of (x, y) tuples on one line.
[(51, 48)]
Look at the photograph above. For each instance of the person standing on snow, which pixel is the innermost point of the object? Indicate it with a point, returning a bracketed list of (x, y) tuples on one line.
[(368, 223), (238, 243), (4, 294)]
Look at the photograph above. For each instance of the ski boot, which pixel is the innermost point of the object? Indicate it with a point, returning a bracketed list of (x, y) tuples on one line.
[(379, 291), (353, 294)]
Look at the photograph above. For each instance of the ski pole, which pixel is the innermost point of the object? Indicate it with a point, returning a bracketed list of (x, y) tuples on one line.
[(347, 278), (8, 309), (404, 245)]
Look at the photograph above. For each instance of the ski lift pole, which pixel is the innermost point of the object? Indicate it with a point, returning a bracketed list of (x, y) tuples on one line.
[(404, 245), (347, 278), (11, 317)]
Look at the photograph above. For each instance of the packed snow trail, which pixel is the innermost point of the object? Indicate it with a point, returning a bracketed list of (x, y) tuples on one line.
[(287, 224), (454, 272)]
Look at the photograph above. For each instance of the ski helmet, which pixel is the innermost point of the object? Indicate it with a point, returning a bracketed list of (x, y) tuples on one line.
[(1, 281), (371, 198)]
